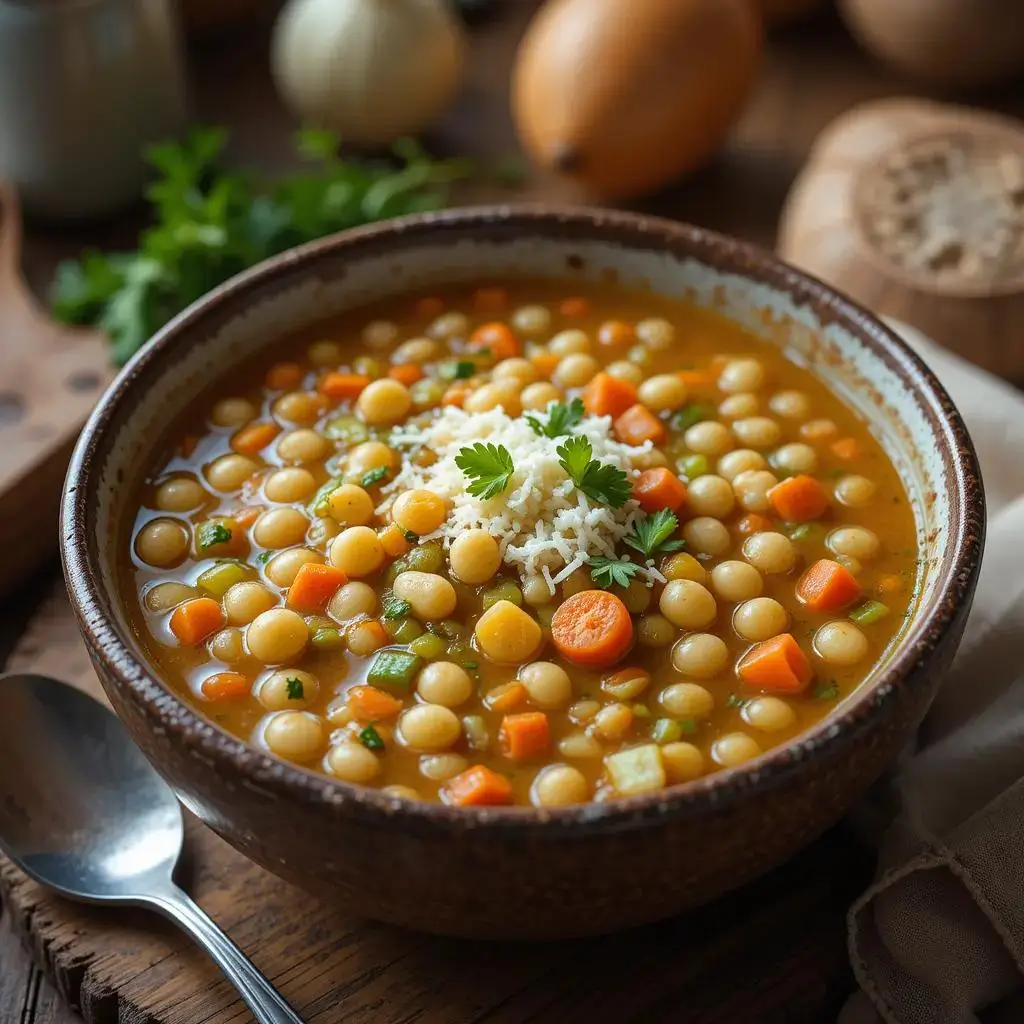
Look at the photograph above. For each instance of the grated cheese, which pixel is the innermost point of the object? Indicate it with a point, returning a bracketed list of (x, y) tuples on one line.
[(544, 525)]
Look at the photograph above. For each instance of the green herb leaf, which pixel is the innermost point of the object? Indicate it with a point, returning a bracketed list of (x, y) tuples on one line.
[(296, 691), (826, 691), (375, 475), (463, 369), (396, 608), (211, 534), (370, 738), (691, 414), (561, 418), (411, 537), (597, 480), (608, 571), (869, 612), (654, 534), (264, 556), (688, 725), (489, 468)]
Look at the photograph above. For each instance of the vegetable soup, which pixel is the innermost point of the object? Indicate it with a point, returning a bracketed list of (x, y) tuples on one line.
[(523, 544)]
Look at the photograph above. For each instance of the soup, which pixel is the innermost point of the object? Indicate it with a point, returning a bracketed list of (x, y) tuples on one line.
[(521, 544)]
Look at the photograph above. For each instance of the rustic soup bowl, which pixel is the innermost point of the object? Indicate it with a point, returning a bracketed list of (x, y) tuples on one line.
[(519, 872)]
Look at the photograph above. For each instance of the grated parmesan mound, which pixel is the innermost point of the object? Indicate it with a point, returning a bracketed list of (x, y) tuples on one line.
[(545, 526)]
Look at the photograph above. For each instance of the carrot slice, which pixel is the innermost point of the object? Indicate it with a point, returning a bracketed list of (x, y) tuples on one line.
[(370, 704), (226, 686), (284, 376), (490, 300), (846, 448), (777, 665), (506, 697), (477, 787), (525, 735), (544, 363), (592, 628), (314, 585), (638, 424), (254, 438), (615, 333), (430, 306), (193, 621), (245, 517), (393, 541), (606, 395), (828, 586), (799, 499), (343, 385), (406, 373), (497, 337), (754, 523), (659, 488), (574, 307)]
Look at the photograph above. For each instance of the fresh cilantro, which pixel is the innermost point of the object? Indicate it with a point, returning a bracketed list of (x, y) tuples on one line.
[(561, 419), (208, 223), (396, 608), (653, 535), (489, 468), (375, 475), (296, 691), (212, 534), (370, 739), (264, 556), (411, 537), (471, 665), (826, 691), (607, 571), (462, 369), (597, 480)]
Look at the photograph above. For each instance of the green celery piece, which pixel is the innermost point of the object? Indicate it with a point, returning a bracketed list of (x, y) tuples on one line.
[(318, 505), (394, 669), (666, 730), (507, 590), (694, 466), (346, 429), (218, 579), (403, 631), (869, 612), (428, 646), (427, 557), (328, 639)]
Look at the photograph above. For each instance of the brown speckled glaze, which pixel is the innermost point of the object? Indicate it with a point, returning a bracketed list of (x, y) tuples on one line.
[(517, 872)]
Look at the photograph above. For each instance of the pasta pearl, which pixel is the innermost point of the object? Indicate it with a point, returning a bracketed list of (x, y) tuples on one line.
[(664, 392), (687, 700), (734, 748), (700, 655), (229, 472), (708, 438), (687, 604), (352, 762), (419, 511), (288, 689), (429, 728), (357, 551), (289, 485), (352, 600), (232, 412), (280, 528), (818, 430), (531, 319), (502, 394), (416, 350), (444, 683), (740, 461), (736, 407), (759, 619), (707, 536), (305, 445), (298, 407), (324, 353), (226, 645), (547, 685), (770, 552), (363, 638), (432, 597), (277, 636), (182, 494), (162, 543), (710, 495), (369, 455), (751, 489), (383, 402), (655, 332), (244, 601), (684, 567), (790, 405), (683, 762), (379, 333), (852, 491), (449, 325), (517, 371), (568, 343), (295, 735), (796, 458), (284, 567), (537, 397), (559, 785), (627, 371), (350, 505), (165, 596), (756, 432), (736, 581), (441, 767), (655, 631), (475, 557), (840, 643), (741, 375), (769, 714), (613, 721), (574, 371), (854, 541)]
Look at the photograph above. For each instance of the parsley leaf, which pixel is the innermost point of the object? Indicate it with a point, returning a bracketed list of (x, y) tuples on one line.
[(462, 369), (296, 691), (607, 571), (489, 468), (653, 535), (597, 480), (370, 739), (375, 475), (411, 537), (561, 419), (826, 691), (211, 534), (264, 556), (396, 608)]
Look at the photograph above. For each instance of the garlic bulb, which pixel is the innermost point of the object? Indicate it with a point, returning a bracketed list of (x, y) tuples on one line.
[(370, 70)]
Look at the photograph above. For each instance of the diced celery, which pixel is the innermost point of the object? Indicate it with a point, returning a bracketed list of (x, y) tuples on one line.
[(869, 612), (219, 578), (346, 429), (691, 414), (428, 646), (427, 557), (329, 639), (640, 711), (636, 770), (475, 729), (394, 670), (403, 631), (447, 629), (320, 503), (666, 730), (694, 466), (504, 591)]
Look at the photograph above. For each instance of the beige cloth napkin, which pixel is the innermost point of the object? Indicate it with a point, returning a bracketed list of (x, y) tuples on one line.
[(939, 936)]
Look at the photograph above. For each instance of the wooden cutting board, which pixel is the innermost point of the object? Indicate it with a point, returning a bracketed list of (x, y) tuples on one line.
[(772, 953)]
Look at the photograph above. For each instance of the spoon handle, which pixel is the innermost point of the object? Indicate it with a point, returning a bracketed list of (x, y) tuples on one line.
[(266, 1003)]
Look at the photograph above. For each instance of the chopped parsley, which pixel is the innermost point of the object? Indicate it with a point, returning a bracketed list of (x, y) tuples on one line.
[(488, 467), (607, 571), (654, 534), (370, 738), (212, 534), (375, 475), (561, 419), (396, 608), (463, 369), (597, 480), (411, 537), (296, 691), (826, 691), (264, 556)]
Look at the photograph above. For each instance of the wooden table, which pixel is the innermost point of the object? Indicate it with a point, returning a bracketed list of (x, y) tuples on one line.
[(811, 74)]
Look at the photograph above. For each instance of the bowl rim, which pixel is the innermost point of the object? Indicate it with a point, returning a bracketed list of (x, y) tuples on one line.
[(723, 789)]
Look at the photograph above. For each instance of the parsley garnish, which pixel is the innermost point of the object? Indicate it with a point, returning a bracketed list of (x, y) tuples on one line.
[(561, 419), (463, 369), (489, 468), (211, 534), (296, 691), (690, 415), (375, 475), (411, 537), (653, 535), (607, 571), (396, 608), (597, 480), (826, 691), (264, 556), (370, 739)]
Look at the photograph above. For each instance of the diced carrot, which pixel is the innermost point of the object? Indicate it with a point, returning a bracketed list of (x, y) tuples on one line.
[(193, 621), (827, 586), (406, 373), (477, 787), (615, 333), (659, 488), (606, 395), (430, 306), (456, 395), (592, 628), (846, 448), (188, 445), (799, 499), (226, 686), (284, 376), (343, 385), (777, 665), (254, 438), (496, 337), (695, 380), (393, 541), (753, 523), (638, 424), (374, 629), (245, 517), (889, 585), (525, 735), (370, 704), (544, 363), (506, 697), (574, 307), (314, 585), (490, 300)]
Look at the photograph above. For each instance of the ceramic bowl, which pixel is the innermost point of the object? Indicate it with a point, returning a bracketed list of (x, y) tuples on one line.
[(519, 872)]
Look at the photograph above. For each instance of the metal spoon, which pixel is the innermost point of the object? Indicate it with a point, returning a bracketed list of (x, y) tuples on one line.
[(83, 812)]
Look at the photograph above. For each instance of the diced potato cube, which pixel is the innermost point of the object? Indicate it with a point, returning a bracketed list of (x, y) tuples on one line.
[(507, 634), (636, 770)]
